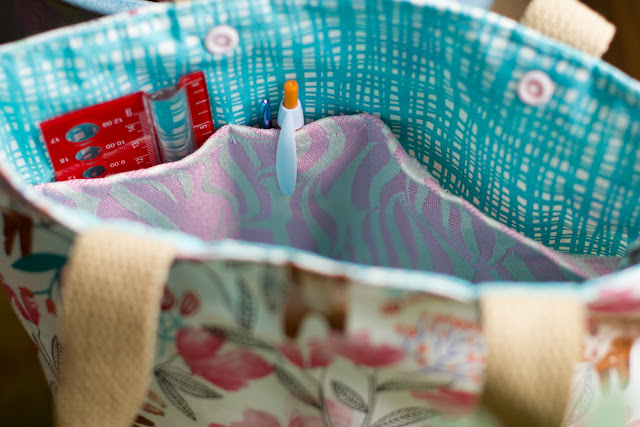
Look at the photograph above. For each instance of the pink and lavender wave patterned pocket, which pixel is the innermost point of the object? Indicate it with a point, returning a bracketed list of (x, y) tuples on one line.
[(359, 198)]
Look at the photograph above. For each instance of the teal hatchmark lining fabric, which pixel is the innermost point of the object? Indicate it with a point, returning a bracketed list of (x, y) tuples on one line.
[(442, 77)]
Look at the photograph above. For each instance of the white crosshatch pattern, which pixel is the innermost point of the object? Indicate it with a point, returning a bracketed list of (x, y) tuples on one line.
[(444, 79)]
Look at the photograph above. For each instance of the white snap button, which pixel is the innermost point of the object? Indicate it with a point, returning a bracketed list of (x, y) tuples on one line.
[(222, 39), (535, 88)]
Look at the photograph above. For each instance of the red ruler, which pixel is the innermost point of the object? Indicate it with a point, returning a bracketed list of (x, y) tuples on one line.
[(119, 136), (200, 107)]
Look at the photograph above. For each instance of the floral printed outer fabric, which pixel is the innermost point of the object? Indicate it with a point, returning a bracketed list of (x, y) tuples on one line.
[(359, 197), (244, 343)]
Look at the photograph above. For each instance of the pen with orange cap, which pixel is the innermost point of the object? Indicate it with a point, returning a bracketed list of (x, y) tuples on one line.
[(290, 119)]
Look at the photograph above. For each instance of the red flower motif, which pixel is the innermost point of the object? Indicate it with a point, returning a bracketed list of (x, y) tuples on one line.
[(197, 344), (359, 349), (615, 301), (320, 355), (30, 305), (25, 292), (26, 305), (448, 400), (51, 306), (232, 370), (190, 303), (391, 307), (229, 370), (306, 421), (168, 299), (340, 417)]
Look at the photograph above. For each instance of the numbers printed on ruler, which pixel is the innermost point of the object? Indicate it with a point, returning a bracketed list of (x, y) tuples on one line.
[(115, 121), (200, 106), (118, 163), (115, 144), (139, 160)]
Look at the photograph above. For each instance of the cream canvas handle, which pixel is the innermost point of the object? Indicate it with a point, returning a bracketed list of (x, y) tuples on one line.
[(112, 292), (568, 21), (533, 341)]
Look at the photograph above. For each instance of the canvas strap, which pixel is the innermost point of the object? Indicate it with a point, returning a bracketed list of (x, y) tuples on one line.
[(112, 290), (533, 341), (568, 21)]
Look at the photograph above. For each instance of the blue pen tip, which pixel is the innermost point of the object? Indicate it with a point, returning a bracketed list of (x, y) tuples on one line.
[(265, 110)]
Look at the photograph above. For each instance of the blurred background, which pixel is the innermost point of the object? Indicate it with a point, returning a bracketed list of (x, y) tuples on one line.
[(624, 52), (25, 399)]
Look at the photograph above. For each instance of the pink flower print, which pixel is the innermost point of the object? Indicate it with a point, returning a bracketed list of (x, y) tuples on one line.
[(26, 305), (229, 370), (190, 303), (306, 421), (293, 353), (339, 414), (232, 370), (340, 417), (448, 400), (319, 355), (253, 418), (168, 299), (197, 344), (391, 307), (30, 305), (51, 306), (615, 301), (320, 352), (359, 349)]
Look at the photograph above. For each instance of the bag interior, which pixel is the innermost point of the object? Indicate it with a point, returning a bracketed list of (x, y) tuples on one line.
[(359, 197), (518, 193)]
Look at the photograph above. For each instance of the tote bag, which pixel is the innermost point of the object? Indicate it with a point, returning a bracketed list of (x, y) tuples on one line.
[(466, 197)]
